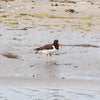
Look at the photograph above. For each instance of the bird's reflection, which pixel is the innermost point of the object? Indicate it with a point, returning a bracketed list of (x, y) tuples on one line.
[(46, 70)]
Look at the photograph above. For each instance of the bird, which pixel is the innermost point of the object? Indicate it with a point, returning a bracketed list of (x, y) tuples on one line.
[(49, 49)]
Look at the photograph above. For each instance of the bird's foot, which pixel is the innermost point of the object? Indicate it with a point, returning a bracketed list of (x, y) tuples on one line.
[(53, 61), (47, 61)]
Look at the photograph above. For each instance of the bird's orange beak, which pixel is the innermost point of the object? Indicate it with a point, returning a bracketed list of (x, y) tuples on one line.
[(59, 44)]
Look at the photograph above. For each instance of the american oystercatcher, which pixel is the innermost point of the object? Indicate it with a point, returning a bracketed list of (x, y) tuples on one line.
[(48, 49)]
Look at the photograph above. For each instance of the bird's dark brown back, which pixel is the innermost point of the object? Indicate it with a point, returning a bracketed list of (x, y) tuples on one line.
[(46, 47)]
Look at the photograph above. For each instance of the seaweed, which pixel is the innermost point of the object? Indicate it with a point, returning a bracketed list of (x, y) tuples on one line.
[(87, 30), (10, 55), (70, 10), (86, 18)]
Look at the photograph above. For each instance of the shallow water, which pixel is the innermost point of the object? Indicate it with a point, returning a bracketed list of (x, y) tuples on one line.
[(71, 62), (29, 93), (77, 61)]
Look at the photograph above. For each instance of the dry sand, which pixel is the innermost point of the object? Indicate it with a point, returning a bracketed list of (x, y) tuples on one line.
[(25, 25)]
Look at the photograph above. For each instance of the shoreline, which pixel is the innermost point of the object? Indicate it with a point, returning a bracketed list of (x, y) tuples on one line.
[(43, 15), (50, 82)]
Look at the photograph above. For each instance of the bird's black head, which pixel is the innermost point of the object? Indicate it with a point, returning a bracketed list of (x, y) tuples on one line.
[(55, 44), (55, 41)]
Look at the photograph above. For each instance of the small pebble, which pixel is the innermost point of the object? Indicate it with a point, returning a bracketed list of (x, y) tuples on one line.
[(31, 65), (75, 66), (52, 31), (33, 75), (63, 77)]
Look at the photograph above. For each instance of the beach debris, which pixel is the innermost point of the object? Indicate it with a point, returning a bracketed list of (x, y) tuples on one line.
[(10, 55), (83, 45), (51, 31), (75, 66), (31, 65), (33, 75), (14, 23), (23, 14), (23, 29), (17, 39), (64, 1), (52, 5), (70, 10), (63, 77), (68, 1), (7, 0), (53, 0), (19, 29), (68, 64), (52, 10), (90, 1)]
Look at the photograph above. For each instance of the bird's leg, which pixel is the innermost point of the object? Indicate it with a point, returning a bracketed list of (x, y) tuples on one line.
[(51, 58), (47, 59)]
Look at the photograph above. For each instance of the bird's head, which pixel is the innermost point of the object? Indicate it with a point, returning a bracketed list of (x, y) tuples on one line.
[(57, 44)]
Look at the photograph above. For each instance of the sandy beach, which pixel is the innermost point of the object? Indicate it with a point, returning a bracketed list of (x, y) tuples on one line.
[(28, 24)]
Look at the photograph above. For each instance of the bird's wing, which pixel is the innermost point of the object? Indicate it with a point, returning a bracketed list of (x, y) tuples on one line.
[(46, 47)]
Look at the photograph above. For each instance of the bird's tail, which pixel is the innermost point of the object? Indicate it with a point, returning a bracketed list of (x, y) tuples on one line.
[(36, 52)]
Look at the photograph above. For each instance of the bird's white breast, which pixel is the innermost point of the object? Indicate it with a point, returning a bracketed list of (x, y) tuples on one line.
[(45, 51)]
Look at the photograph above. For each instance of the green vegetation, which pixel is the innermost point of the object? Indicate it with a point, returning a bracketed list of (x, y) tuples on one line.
[(14, 26), (86, 18), (67, 21), (4, 16), (14, 23), (17, 39), (2, 11), (56, 4), (87, 30), (27, 19), (41, 15), (22, 14), (98, 18)]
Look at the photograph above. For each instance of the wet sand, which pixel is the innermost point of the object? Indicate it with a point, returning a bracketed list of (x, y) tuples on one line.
[(33, 89), (75, 74)]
